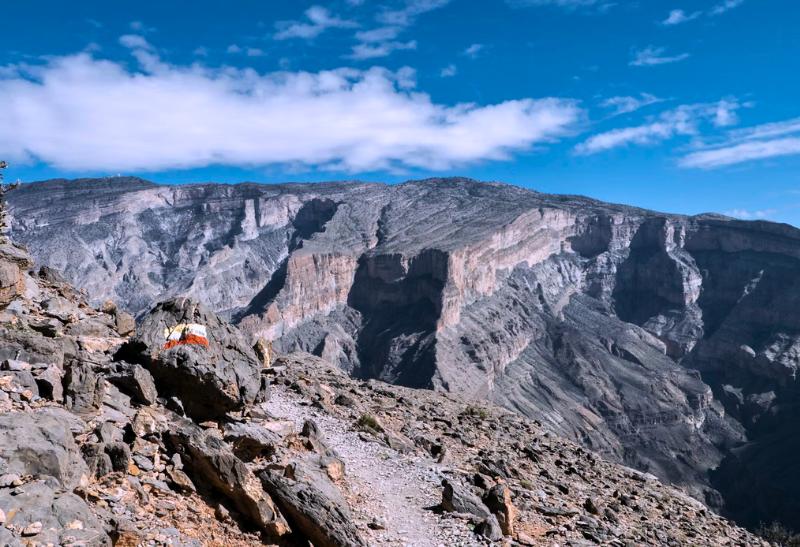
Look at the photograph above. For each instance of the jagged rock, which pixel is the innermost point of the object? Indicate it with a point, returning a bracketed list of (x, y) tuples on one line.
[(136, 381), (43, 510), (209, 380), (124, 323), (498, 500), (457, 498), (120, 456), (490, 529), (13, 260), (211, 463), (97, 460), (49, 382), (315, 510), (83, 389), (40, 443), (251, 440)]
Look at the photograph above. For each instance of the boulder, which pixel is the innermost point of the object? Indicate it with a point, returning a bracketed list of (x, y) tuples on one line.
[(457, 498), (13, 261), (83, 389), (40, 443), (315, 508), (252, 439), (136, 381), (210, 378), (208, 461), (44, 514), (498, 500)]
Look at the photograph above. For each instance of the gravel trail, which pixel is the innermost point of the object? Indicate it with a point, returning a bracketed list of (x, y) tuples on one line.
[(396, 489)]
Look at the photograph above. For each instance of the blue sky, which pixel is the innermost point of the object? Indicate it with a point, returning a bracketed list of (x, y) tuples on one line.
[(680, 105)]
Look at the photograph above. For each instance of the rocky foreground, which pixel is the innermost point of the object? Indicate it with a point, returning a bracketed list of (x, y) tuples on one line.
[(110, 436)]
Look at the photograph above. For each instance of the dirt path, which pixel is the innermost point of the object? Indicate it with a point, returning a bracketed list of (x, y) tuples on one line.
[(385, 485)]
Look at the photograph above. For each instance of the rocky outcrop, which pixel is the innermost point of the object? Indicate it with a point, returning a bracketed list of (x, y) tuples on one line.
[(219, 375), (662, 341)]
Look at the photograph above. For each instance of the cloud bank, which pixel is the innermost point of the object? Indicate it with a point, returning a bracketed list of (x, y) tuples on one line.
[(81, 113)]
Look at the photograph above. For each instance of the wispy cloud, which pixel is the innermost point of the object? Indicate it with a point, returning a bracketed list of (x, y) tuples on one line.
[(474, 50), (569, 4), (746, 214), (741, 153), (652, 55), (759, 142), (405, 16), (678, 16), (449, 71), (319, 20), (627, 104), (380, 49), (683, 120), (381, 41), (727, 5), (81, 113)]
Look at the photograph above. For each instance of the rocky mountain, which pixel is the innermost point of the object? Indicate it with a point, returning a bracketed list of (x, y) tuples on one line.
[(665, 342), (110, 436)]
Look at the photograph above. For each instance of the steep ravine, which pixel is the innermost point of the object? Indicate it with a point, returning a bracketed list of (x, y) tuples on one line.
[(664, 342)]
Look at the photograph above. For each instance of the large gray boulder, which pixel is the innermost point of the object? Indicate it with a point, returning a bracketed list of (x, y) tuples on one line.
[(210, 380), (211, 463), (61, 518), (40, 443), (314, 507)]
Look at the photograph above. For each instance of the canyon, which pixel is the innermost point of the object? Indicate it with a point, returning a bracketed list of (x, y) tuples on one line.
[(664, 342)]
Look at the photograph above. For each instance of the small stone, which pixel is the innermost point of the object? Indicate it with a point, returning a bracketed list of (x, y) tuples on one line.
[(377, 524), (10, 479), (222, 513), (2, 517), (591, 506), (32, 529), (75, 525)]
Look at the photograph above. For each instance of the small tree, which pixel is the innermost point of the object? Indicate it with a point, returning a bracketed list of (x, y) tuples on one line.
[(3, 213)]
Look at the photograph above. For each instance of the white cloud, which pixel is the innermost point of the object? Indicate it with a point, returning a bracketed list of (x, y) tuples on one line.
[(683, 120), (406, 15), (727, 5), (133, 41), (319, 20), (626, 104), (748, 144), (560, 3), (235, 49), (474, 50), (80, 113), (381, 41), (678, 16), (741, 153), (750, 215), (380, 34), (382, 49), (651, 55), (449, 71)]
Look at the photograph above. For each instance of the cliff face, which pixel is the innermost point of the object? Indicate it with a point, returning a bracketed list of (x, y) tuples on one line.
[(669, 343)]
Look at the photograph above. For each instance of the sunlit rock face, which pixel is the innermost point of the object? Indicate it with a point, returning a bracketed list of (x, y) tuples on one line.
[(660, 340)]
